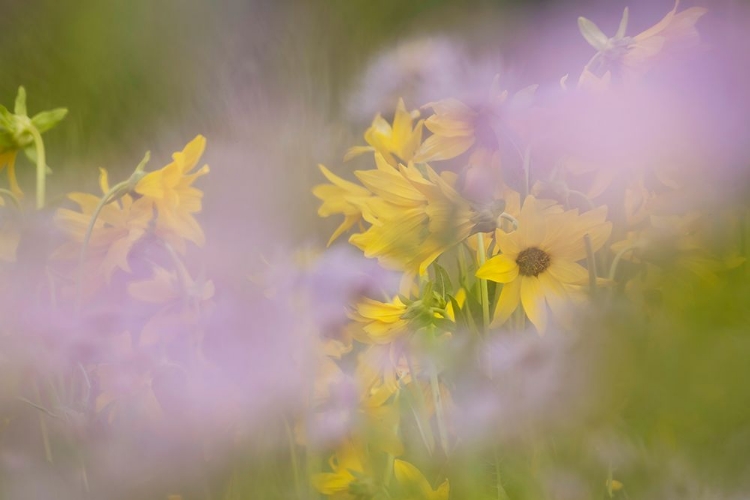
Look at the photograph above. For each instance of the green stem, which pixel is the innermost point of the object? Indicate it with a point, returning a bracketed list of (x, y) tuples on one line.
[(464, 269), (483, 284), (41, 166), (293, 456), (618, 258), (421, 409), (501, 493), (510, 219), (43, 425), (583, 197), (438, 402), (526, 172), (11, 196), (109, 196), (590, 262)]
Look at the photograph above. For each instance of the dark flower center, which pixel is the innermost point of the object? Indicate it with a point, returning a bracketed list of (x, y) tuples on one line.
[(532, 261)]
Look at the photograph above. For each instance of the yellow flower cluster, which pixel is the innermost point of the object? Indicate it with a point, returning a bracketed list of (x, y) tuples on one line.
[(483, 249)]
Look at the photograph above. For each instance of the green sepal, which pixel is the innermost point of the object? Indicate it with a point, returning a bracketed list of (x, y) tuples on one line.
[(6, 117), (47, 119), (20, 106), (592, 34)]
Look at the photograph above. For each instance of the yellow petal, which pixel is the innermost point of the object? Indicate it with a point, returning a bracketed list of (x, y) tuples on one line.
[(567, 272), (103, 180), (411, 479), (499, 268), (437, 148), (507, 303), (532, 298), (189, 156)]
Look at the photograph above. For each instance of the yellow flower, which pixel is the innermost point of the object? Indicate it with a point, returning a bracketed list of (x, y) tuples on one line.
[(396, 143), (453, 126), (457, 127), (414, 217), (538, 263), (176, 200), (378, 322), (349, 478), (340, 197), (415, 485), (632, 56), (118, 227)]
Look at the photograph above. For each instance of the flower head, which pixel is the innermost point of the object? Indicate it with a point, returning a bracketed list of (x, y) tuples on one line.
[(340, 197), (538, 262), (397, 143), (176, 200), (119, 225), (632, 56)]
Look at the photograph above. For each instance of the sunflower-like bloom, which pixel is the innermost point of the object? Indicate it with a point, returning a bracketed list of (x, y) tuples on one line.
[(456, 127), (118, 227), (538, 264), (378, 322), (414, 217), (453, 126), (350, 476), (415, 485), (398, 142), (632, 56), (176, 200), (340, 197)]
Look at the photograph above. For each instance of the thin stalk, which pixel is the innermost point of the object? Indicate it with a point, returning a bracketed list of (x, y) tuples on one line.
[(464, 268), (11, 195), (526, 172), (41, 166), (617, 259), (590, 262), (293, 455), (483, 284), (510, 219), (43, 425), (422, 406), (390, 457), (583, 197), (109, 196), (501, 493), (438, 402)]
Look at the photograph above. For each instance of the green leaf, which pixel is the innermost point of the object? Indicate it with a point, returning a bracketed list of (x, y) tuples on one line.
[(20, 108), (442, 280), (47, 119), (592, 34), (461, 320)]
